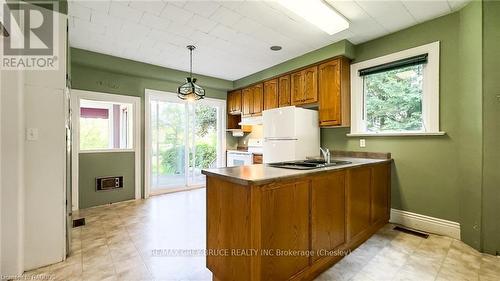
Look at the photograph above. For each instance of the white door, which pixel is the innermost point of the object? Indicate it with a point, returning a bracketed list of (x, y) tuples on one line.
[(182, 139)]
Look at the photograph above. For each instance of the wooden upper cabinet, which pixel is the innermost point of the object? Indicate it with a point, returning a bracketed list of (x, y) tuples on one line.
[(258, 99), (296, 88), (234, 102), (334, 93), (246, 102), (328, 231), (326, 84), (329, 89), (284, 91), (252, 100), (310, 76), (271, 94), (304, 86)]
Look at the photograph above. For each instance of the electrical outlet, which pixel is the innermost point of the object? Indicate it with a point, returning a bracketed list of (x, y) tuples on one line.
[(362, 143)]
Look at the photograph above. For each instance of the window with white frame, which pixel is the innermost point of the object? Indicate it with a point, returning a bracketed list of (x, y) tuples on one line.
[(105, 125), (397, 94)]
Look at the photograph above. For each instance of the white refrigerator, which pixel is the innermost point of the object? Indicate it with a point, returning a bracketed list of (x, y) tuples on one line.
[(290, 133)]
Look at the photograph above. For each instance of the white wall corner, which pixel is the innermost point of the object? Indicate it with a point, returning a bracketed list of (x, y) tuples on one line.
[(425, 223)]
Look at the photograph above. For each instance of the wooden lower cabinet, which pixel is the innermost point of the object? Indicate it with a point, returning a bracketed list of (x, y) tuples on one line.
[(285, 227), (358, 201), (331, 211), (327, 213), (380, 193)]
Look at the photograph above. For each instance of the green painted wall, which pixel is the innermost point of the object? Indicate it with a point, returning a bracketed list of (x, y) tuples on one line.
[(425, 178), (425, 174), (451, 177), (343, 47), (92, 165), (102, 73), (470, 119), (491, 115), (437, 176)]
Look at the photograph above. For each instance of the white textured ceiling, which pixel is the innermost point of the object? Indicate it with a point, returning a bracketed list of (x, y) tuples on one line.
[(232, 37)]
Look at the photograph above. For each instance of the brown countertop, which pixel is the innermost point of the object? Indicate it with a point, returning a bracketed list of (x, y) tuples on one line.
[(262, 173)]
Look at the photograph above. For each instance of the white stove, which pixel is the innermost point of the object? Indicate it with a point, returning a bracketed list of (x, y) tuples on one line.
[(244, 158), (255, 146)]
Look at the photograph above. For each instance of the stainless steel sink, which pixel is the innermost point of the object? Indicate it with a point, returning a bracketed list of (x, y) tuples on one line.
[(308, 164)]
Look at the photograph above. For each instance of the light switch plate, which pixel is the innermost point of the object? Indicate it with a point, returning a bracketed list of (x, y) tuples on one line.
[(362, 143), (32, 134)]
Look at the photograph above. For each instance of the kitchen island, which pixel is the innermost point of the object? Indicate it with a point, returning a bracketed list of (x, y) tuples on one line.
[(266, 223)]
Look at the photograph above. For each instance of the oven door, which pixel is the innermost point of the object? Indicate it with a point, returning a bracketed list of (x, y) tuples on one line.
[(239, 159)]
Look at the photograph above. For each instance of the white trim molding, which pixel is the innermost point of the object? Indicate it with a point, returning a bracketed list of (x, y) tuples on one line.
[(401, 134), (76, 95), (430, 99), (425, 223), (158, 95)]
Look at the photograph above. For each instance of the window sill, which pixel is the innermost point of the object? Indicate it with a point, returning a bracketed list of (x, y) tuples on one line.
[(413, 134)]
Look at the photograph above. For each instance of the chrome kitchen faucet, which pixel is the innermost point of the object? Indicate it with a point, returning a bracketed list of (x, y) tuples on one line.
[(326, 154)]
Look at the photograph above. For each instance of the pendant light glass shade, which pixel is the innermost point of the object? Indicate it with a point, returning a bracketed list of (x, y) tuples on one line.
[(189, 90)]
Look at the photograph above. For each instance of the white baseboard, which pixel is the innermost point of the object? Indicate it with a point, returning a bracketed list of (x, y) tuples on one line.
[(426, 223)]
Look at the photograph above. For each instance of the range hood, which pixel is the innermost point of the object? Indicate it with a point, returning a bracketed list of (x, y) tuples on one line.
[(257, 120)]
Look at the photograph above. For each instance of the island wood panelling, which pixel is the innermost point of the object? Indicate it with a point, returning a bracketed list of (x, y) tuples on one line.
[(325, 85), (330, 211)]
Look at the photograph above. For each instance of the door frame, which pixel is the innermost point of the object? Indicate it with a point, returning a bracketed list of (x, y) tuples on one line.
[(221, 127), (76, 95)]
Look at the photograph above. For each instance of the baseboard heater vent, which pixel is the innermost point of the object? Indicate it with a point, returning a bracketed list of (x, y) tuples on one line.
[(412, 232), (108, 183), (78, 222)]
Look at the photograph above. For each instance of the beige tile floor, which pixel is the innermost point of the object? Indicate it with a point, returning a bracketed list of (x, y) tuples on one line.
[(119, 240)]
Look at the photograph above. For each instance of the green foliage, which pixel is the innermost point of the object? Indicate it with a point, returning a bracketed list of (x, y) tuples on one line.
[(394, 100), (172, 160), (172, 136), (206, 120), (94, 133), (205, 154)]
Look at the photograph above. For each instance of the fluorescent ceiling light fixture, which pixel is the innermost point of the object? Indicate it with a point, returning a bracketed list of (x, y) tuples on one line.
[(318, 13)]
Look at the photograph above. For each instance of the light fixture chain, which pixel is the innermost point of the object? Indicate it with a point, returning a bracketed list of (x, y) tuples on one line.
[(191, 63)]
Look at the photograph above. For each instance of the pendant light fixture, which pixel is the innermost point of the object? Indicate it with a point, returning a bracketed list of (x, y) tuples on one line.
[(189, 90)]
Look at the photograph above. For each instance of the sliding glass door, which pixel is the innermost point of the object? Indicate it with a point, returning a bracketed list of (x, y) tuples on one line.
[(185, 137)]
